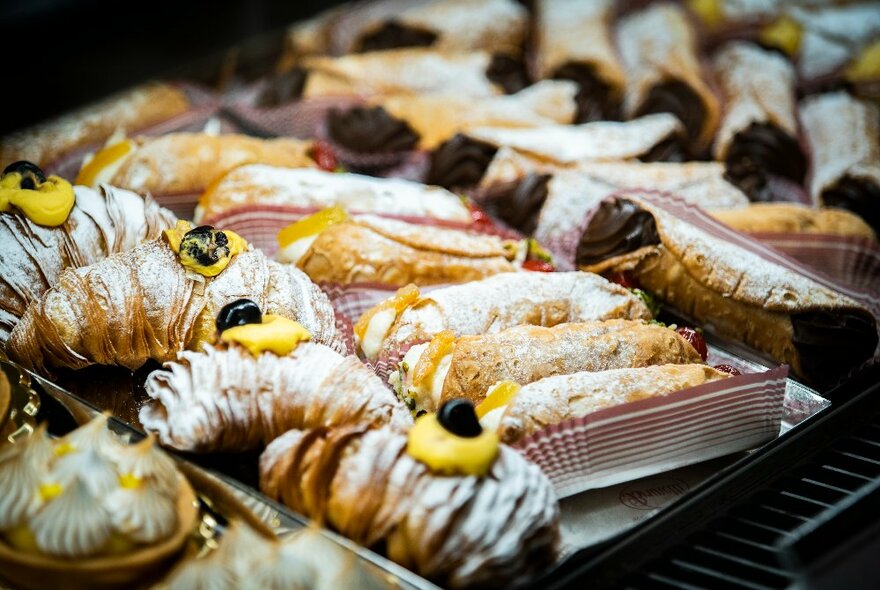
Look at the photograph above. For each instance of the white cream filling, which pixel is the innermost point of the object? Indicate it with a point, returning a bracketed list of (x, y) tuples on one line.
[(492, 420), (426, 394), (291, 253), (377, 329)]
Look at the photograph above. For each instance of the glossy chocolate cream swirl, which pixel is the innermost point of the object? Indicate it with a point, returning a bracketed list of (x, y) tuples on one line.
[(370, 130), (859, 195), (832, 343), (760, 150), (518, 203), (283, 88), (393, 35), (508, 72), (679, 99), (596, 99), (618, 227), (460, 162)]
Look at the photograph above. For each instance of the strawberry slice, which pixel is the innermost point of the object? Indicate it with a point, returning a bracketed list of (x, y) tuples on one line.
[(479, 217), (727, 369), (538, 266), (624, 279), (324, 156), (696, 340)]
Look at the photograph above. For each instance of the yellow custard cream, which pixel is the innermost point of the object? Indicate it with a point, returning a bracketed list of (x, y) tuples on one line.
[(45, 201), (449, 454), (204, 250), (372, 327), (276, 334)]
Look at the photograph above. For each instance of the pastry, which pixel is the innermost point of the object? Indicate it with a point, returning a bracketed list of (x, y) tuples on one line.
[(186, 163), (446, 500), (257, 383), (332, 247), (400, 121), (492, 305), (467, 366), (574, 40), (793, 218), (758, 135), (555, 399), (658, 46), (307, 190), (36, 249), (821, 334), (304, 559), (159, 298), (488, 151), (553, 205), (5, 407), (443, 25), (843, 134), (88, 511), (129, 111)]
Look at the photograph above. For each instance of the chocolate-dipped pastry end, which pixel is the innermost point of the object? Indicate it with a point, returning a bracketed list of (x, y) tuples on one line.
[(596, 100), (509, 72), (760, 150), (830, 344), (284, 88), (370, 130), (681, 100), (856, 194), (618, 227), (394, 35), (518, 203), (460, 162), (672, 148)]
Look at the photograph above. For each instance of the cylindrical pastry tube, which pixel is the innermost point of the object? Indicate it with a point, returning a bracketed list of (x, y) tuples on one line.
[(574, 40), (370, 249), (660, 54), (497, 303), (821, 334), (843, 134), (460, 532), (758, 135), (554, 399), (225, 399), (792, 218), (102, 222), (524, 354)]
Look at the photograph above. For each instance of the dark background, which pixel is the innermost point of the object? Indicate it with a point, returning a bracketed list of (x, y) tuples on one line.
[(60, 54)]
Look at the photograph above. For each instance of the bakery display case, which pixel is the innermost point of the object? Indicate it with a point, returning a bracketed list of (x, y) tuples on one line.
[(442, 293)]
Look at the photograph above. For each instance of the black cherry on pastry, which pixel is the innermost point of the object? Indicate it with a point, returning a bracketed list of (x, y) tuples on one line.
[(459, 417), (238, 313)]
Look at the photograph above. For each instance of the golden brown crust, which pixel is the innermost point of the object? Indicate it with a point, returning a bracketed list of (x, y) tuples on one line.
[(528, 353), (793, 218), (132, 110), (189, 162), (358, 252)]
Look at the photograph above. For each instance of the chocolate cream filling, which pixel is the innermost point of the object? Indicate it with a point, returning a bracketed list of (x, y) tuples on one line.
[(508, 72), (370, 130), (618, 227), (460, 162), (832, 342), (284, 88), (517, 203), (672, 148), (679, 99), (859, 195), (761, 150), (596, 99), (394, 35)]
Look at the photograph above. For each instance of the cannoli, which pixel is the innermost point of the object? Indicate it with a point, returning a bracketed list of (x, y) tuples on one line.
[(332, 247), (793, 218), (186, 162), (758, 135), (843, 134), (467, 366), (552, 206), (159, 298), (554, 399), (466, 158), (308, 189), (492, 305), (129, 111), (821, 334), (574, 40), (431, 119), (251, 387), (443, 25), (658, 46), (446, 501), (99, 223)]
